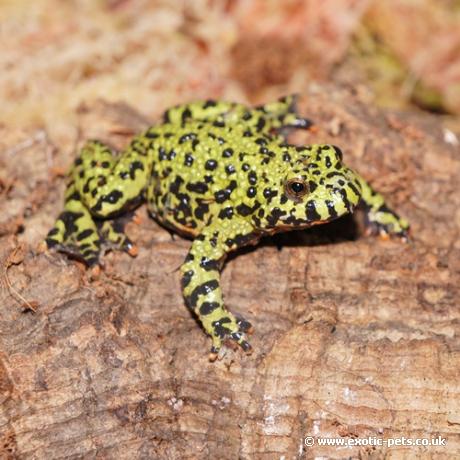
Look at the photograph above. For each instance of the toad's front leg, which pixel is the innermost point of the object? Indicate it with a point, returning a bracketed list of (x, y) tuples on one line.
[(201, 280), (380, 218)]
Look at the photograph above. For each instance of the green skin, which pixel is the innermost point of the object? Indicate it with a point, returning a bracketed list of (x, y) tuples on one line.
[(223, 174)]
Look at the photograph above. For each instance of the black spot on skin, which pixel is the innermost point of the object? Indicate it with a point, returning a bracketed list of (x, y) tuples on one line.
[(260, 124), (54, 231), (186, 278), (227, 153), (93, 163), (247, 133), (269, 194), (201, 210), (211, 165), (195, 142), (341, 182), (78, 161), (184, 204), (151, 134), (283, 199), (252, 177), (286, 157), (209, 264), (172, 154), (245, 167), (274, 216), (226, 213), (261, 213), (312, 186), (244, 210), (101, 181), (223, 195), (230, 169), (263, 150), (186, 114), (219, 329), (312, 213), (197, 187), (261, 141), (189, 257), (330, 207), (202, 289), (166, 117), (328, 161), (251, 193), (162, 154), (166, 172), (187, 137), (175, 186), (355, 190), (188, 160), (94, 192), (384, 208), (207, 308), (246, 116), (316, 172), (213, 239), (209, 103), (74, 196), (229, 242), (219, 124), (333, 174), (69, 218), (105, 164), (338, 152), (265, 161), (200, 237), (168, 135), (345, 200), (84, 234), (81, 174), (133, 167), (111, 198), (209, 179)]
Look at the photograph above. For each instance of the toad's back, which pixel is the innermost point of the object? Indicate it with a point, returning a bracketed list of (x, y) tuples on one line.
[(202, 170)]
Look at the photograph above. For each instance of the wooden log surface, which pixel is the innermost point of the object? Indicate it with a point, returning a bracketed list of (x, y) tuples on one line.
[(355, 336)]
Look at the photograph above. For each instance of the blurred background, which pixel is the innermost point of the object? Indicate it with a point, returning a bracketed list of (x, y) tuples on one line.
[(151, 54)]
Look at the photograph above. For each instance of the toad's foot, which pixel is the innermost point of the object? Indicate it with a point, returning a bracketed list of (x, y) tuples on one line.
[(229, 329)]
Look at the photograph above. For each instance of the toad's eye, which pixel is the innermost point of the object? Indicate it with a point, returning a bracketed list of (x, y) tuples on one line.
[(296, 188)]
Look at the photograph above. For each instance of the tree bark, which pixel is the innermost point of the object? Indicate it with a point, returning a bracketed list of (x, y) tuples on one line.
[(355, 337)]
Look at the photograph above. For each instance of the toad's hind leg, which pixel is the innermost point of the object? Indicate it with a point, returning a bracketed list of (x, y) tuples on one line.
[(101, 186), (264, 118), (108, 185), (75, 231), (279, 115)]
